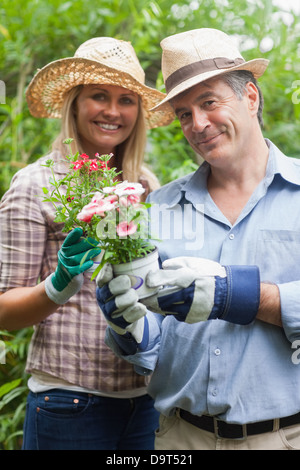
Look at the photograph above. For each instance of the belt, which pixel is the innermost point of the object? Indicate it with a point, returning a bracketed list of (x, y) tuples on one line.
[(236, 431)]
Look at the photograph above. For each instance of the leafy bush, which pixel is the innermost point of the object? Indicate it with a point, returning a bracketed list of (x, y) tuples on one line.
[(13, 387), (34, 33)]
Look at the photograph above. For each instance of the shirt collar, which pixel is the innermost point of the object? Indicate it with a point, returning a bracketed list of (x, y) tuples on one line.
[(279, 164), (194, 186)]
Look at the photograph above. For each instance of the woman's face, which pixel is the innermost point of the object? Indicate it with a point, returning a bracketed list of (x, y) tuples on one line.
[(105, 117)]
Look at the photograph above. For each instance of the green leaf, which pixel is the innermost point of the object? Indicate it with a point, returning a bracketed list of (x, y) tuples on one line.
[(12, 395), (60, 218), (6, 388)]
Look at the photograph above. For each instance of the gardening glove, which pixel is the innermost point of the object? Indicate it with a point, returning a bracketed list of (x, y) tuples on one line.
[(123, 313), (197, 289), (74, 257)]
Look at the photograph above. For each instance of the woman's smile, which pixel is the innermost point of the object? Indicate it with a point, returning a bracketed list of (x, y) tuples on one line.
[(107, 127), (106, 116)]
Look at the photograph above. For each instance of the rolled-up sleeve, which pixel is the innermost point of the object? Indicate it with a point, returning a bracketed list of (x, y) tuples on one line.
[(23, 234), (29, 239), (290, 309)]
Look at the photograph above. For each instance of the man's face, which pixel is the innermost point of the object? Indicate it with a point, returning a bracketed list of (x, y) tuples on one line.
[(217, 124)]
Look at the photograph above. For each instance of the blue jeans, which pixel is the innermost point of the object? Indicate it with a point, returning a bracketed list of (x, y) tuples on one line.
[(66, 420)]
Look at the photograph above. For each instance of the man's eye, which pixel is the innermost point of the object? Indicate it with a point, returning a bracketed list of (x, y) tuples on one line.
[(184, 116), (209, 104)]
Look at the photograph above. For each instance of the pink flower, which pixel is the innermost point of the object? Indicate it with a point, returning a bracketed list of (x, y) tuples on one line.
[(124, 229), (123, 201), (78, 164), (126, 189), (134, 199), (87, 212), (131, 200), (98, 206), (103, 165), (97, 197), (104, 206), (109, 189), (100, 197), (93, 165), (111, 199)]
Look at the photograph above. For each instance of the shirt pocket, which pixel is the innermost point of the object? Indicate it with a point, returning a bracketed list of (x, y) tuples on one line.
[(278, 255)]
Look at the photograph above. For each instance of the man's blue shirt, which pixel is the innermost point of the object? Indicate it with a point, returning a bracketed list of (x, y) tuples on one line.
[(241, 374)]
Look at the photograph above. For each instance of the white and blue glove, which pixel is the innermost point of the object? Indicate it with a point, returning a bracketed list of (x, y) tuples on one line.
[(74, 257), (198, 289), (123, 313)]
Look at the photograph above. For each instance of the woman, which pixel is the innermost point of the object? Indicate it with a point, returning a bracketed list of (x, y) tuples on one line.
[(81, 396)]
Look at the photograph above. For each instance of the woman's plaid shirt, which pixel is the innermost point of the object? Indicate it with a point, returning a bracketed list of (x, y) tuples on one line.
[(69, 344)]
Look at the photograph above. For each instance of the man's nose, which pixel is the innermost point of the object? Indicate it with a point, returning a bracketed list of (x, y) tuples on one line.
[(200, 120)]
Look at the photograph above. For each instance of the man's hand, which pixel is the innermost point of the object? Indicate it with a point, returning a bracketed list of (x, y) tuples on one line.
[(197, 289), (122, 311), (74, 257)]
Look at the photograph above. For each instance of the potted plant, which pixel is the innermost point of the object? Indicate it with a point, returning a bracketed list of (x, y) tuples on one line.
[(111, 212)]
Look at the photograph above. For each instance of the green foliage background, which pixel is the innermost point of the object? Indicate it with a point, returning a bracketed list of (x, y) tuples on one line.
[(35, 32)]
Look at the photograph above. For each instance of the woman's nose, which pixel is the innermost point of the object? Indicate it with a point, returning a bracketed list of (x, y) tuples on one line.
[(112, 109)]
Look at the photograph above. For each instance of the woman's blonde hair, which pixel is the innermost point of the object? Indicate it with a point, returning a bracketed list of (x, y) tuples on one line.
[(131, 152)]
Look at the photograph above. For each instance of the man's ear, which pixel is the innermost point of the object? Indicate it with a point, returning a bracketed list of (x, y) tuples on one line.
[(253, 97)]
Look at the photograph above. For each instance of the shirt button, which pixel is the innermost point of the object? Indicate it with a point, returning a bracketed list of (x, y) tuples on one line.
[(217, 352), (215, 392), (231, 236)]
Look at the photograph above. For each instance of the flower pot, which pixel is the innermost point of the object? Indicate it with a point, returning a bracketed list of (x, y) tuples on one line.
[(137, 270)]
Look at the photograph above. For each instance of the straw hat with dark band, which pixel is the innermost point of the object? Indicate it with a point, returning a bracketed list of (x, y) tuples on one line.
[(97, 61), (191, 57)]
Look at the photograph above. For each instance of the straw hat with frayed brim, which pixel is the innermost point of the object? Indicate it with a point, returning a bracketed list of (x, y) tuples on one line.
[(192, 57), (97, 61)]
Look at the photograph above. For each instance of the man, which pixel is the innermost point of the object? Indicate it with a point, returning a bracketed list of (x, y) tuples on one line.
[(222, 344)]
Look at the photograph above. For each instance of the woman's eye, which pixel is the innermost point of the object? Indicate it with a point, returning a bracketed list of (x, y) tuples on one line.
[(128, 100), (99, 96)]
